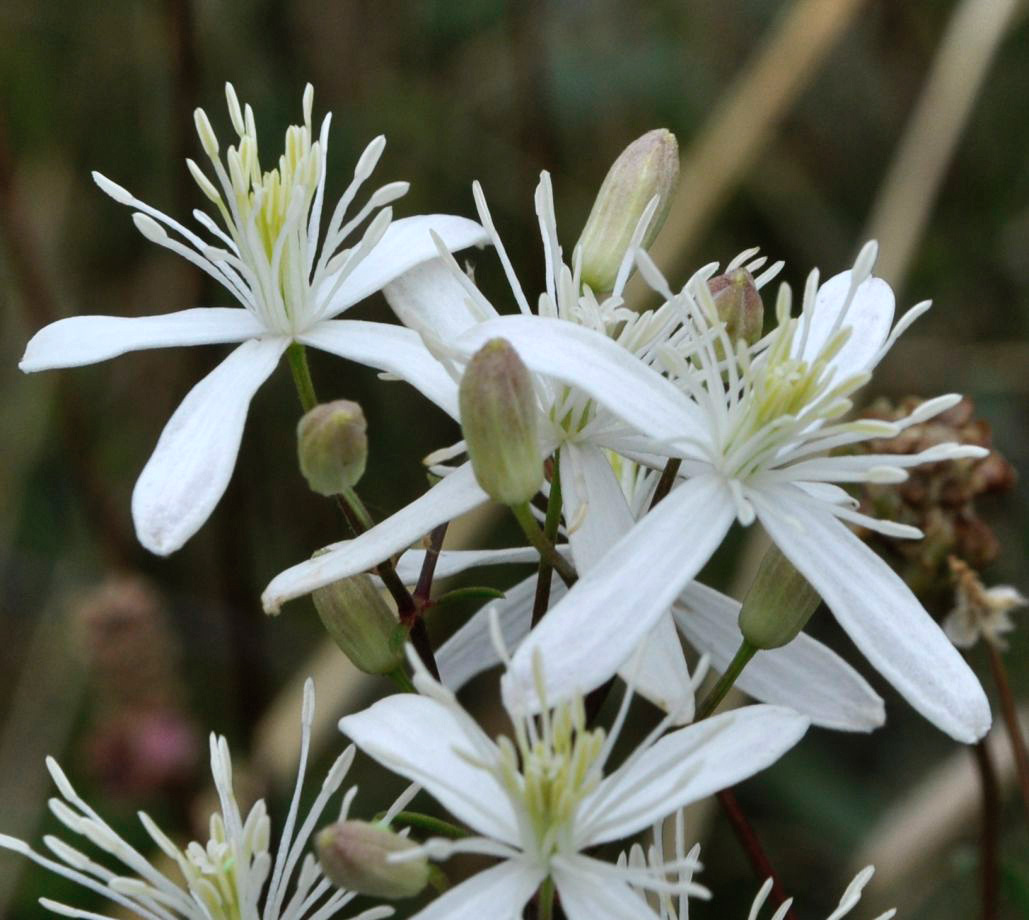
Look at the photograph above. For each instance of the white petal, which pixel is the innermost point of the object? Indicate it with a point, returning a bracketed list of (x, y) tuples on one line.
[(880, 614), (593, 502), (430, 299), (593, 630), (191, 466), (452, 496), (805, 674), (870, 316), (82, 340), (430, 744), (596, 364), (405, 244), (660, 672), (687, 765), (388, 348), (498, 893), (590, 890)]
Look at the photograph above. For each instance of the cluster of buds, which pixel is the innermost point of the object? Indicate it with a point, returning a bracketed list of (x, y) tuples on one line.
[(938, 498)]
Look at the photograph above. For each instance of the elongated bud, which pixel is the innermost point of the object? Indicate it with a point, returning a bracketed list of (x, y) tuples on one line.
[(739, 305), (362, 624), (778, 604), (355, 856), (649, 166), (499, 419), (332, 446)]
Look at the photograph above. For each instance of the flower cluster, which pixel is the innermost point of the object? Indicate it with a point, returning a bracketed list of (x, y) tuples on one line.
[(627, 444)]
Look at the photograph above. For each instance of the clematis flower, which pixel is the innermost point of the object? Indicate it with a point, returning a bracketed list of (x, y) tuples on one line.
[(762, 437), (290, 283), (234, 876), (443, 304), (537, 802)]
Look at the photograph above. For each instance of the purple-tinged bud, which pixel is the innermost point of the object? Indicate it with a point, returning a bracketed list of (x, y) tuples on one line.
[(499, 417), (357, 617), (332, 446), (649, 166), (739, 305), (778, 605), (355, 855)]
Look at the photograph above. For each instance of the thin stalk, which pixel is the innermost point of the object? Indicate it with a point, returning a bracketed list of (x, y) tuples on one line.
[(543, 546), (435, 826), (297, 356), (725, 682), (546, 902), (400, 677), (748, 839), (1015, 736), (667, 480), (550, 524), (989, 867), (423, 590), (357, 516)]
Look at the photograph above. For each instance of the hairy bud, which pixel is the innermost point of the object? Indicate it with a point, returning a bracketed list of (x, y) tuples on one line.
[(355, 855), (649, 166), (778, 604), (499, 419), (357, 617), (739, 305), (332, 446)]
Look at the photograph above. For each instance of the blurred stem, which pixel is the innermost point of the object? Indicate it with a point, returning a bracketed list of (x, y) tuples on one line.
[(357, 516), (297, 356), (546, 908), (553, 518), (543, 546), (667, 480), (989, 867), (436, 826), (717, 693), (1015, 736), (400, 677)]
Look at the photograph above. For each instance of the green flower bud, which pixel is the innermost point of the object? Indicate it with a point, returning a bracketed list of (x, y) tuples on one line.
[(649, 166), (355, 856), (739, 305), (778, 604), (357, 617), (332, 446), (499, 419)]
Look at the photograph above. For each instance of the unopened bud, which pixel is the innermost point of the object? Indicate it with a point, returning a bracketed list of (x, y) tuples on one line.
[(355, 855), (778, 604), (739, 305), (649, 166), (499, 419), (357, 617), (332, 446)]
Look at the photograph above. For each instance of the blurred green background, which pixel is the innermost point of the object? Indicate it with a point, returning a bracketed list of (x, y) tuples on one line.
[(790, 118)]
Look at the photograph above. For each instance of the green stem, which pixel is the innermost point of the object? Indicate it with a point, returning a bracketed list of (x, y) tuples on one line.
[(546, 904), (400, 677), (719, 690), (435, 826), (550, 524), (353, 500), (543, 546), (297, 356)]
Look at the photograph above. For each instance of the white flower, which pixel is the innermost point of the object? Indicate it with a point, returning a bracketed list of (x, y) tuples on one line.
[(444, 305), (759, 437), (267, 256), (676, 906), (539, 801), (232, 877), (980, 611)]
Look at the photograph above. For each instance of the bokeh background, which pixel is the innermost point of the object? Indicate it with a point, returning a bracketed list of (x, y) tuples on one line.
[(804, 126)]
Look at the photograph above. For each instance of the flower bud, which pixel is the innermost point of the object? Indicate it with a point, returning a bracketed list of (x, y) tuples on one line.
[(361, 623), (778, 605), (739, 305), (649, 166), (355, 856), (332, 446), (499, 419)]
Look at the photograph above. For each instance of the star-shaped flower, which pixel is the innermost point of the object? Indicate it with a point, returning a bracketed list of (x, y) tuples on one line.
[(290, 282)]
